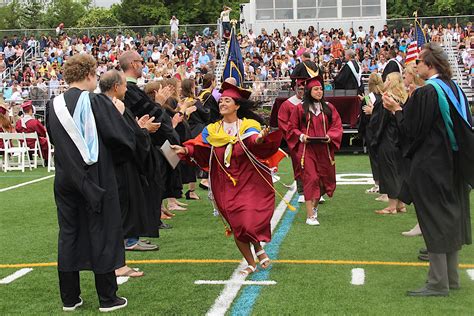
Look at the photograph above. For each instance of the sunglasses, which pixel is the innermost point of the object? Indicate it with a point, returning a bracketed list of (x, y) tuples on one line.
[(419, 61)]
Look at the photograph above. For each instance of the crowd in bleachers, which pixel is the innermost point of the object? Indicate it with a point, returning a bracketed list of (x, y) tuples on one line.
[(268, 56)]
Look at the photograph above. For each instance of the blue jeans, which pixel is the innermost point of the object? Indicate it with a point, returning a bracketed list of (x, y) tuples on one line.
[(129, 242)]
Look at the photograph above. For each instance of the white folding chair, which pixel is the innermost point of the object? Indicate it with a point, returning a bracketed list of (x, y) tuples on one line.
[(14, 148), (33, 151), (51, 166)]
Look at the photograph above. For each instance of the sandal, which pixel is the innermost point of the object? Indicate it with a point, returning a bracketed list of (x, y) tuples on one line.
[(166, 212), (401, 209), (130, 273), (265, 262), (188, 195), (245, 272), (382, 198), (387, 211), (164, 216), (176, 207), (374, 189), (181, 203)]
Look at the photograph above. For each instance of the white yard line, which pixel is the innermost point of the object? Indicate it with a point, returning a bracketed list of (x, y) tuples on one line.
[(26, 183), (231, 289), (224, 282), (18, 274), (470, 272), (358, 276)]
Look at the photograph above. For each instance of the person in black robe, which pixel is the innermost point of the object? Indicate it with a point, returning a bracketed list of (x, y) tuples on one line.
[(90, 227), (139, 216), (370, 113), (440, 169), (345, 79), (305, 69), (386, 142), (140, 104), (392, 66), (207, 98)]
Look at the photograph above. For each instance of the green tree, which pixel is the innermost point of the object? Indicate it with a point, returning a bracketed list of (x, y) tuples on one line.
[(10, 16), (32, 15), (142, 12), (98, 17), (65, 11)]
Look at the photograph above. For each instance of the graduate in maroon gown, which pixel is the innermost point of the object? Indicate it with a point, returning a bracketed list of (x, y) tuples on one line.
[(240, 184), (28, 124), (284, 113), (315, 133)]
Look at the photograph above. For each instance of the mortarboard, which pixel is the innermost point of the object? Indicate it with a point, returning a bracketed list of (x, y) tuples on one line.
[(315, 81), (27, 106), (234, 92)]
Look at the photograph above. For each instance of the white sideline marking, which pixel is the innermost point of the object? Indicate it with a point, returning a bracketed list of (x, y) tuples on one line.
[(122, 279), (358, 276), (18, 274), (230, 291), (224, 282), (354, 178), (26, 183), (470, 272)]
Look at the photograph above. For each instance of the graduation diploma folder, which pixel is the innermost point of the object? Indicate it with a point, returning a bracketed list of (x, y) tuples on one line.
[(313, 140), (170, 155)]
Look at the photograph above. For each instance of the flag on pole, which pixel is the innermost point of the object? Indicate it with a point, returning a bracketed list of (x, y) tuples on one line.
[(415, 47), (234, 66)]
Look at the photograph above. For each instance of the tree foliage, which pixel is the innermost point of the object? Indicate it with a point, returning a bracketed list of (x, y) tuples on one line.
[(79, 13)]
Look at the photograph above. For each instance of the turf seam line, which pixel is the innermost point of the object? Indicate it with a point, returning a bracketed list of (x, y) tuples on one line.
[(16, 275), (224, 282), (222, 261), (229, 293), (26, 183)]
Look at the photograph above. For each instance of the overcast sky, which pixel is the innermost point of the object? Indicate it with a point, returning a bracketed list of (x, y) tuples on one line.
[(105, 3)]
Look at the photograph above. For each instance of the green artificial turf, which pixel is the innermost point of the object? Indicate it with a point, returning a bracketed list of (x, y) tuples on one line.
[(350, 230)]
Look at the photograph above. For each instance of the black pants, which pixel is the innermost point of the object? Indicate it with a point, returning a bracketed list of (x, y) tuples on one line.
[(105, 284)]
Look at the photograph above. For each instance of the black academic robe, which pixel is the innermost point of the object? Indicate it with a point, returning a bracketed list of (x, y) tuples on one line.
[(436, 183), (300, 71), (367, 130), (140, 104), (210, 103), (134, 179), (392, 66), (346, 80), (199, 118), (385, 142), (90, 225)]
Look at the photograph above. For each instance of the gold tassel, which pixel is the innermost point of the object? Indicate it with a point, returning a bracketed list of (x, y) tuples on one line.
[(228, 232), (234, 181), (290, 207)]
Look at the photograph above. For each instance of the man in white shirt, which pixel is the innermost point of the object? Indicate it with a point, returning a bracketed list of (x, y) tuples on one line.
[(225, 18), (361, 33), (174, 24)]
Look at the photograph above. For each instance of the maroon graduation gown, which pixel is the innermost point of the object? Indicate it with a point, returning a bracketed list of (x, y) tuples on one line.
[(318, 174), (284, 114)]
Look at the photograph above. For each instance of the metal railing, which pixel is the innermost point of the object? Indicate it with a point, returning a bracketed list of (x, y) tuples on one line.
[(112, 30), (430, 20), (453, 59), (30, 53)]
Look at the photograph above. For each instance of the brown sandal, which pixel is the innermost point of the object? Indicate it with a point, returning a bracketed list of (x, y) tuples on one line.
[(132, 273), (387, 211)]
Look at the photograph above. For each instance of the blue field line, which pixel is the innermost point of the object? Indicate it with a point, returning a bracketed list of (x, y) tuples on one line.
[(247, 298)]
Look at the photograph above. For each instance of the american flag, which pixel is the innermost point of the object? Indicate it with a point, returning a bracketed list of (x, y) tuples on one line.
[(415, 46)]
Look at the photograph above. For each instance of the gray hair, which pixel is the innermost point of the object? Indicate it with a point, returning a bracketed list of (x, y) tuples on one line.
[(351, 53), (109, 79)]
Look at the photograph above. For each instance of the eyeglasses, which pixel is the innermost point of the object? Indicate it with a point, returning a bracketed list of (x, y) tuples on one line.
[(419, 61)]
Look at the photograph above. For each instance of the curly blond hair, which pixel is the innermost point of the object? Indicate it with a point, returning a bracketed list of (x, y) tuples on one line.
[(375, 83), (79, 67), (396, 88), (410, 69)]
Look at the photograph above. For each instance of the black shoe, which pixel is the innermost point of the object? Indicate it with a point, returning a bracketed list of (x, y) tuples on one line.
[(423, 251), (188, 195), (202, 186), (72, 307), (424, 291), (118, 303), (423, 258), (165, 226)]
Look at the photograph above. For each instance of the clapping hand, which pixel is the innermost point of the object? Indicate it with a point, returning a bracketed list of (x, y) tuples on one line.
[(390, 104), (368, 109), (147, 122), (177, 118), (163, 94)]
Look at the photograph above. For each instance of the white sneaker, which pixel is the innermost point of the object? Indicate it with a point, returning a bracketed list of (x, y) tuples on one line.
[(312, 221), (415, 231), (301, 199), (321, 200)]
